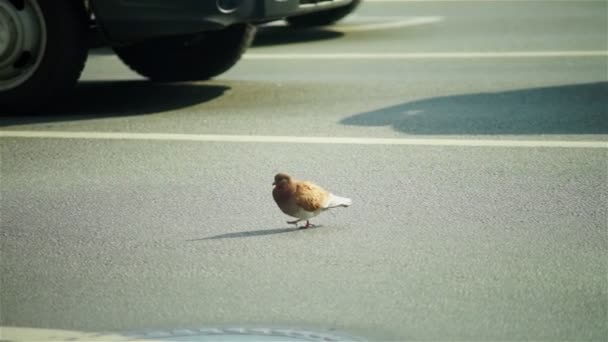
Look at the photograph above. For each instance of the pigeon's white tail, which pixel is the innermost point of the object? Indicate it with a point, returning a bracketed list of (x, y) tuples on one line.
[(337, 201)]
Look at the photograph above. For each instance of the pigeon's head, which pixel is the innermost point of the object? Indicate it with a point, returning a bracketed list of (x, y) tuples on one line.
[(280, 179)]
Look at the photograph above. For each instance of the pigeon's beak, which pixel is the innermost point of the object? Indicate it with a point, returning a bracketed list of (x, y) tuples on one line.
[(274, 183)]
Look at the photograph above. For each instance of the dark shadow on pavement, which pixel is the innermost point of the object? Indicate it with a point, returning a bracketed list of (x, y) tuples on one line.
[(101, 99), (568, 109), (101, 51), (281, 35), (249, 234)]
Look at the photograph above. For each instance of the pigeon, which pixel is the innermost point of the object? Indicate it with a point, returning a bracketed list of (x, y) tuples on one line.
[(303, 200)]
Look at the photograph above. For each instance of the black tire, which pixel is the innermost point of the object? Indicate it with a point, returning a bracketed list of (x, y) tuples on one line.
[(188, 58), (36, 78), (323, 18)]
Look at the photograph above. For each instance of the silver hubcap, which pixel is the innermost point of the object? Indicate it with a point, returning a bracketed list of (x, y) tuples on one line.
[(22, 41)]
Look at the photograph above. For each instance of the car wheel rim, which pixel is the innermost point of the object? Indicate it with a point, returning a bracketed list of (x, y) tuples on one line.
[(22, 41)]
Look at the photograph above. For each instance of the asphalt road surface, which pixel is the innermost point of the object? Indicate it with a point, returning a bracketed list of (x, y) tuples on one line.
[(471, 136)]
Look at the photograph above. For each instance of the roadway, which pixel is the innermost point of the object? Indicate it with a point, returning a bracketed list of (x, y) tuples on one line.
[(472, 137)]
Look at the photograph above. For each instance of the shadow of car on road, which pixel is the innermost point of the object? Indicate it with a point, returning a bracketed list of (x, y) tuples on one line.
[(102, 99), (567, 109), (282, 35), (101, 51)]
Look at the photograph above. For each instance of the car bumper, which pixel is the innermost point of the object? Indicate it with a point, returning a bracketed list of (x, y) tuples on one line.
[(124, 21)]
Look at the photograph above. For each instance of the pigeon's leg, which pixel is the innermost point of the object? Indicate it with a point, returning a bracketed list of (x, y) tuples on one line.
[(294, 222), (308, 225)]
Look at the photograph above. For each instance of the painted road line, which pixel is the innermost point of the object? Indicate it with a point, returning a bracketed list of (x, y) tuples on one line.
[(357, 23), (429, 55), (301, 140), (529, 1), (360, 23)]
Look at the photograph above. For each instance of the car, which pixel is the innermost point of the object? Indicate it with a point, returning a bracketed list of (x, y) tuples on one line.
[(44, 44), (322, 18)]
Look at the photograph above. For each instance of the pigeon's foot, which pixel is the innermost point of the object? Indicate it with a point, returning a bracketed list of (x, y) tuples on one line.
[(294, 222), (308, 225)]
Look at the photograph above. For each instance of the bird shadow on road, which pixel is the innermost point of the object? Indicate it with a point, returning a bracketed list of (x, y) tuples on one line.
[(250, 233), (103, 99), (566, 109), (283, 34)]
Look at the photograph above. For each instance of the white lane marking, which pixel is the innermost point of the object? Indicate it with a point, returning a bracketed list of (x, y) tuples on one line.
[(430, 55), (357, 23), (360, 23), (529, 1), (302, 140)]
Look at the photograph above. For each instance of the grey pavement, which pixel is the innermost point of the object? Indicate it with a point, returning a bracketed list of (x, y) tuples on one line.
[(441, 243)]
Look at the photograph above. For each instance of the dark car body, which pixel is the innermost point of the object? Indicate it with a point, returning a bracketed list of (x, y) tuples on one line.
[(133, 20), (47, 41)]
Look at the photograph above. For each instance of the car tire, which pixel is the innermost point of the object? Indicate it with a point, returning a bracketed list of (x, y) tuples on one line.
[(188, 58), (44, 54), (323, 18)]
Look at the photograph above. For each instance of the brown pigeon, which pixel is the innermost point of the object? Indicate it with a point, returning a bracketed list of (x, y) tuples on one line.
[(303, 200)]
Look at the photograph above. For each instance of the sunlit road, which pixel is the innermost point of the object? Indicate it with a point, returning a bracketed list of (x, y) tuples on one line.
[(471, 136)]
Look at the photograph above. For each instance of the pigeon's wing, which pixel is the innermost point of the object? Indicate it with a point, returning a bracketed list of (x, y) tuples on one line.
[(310, 197)]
